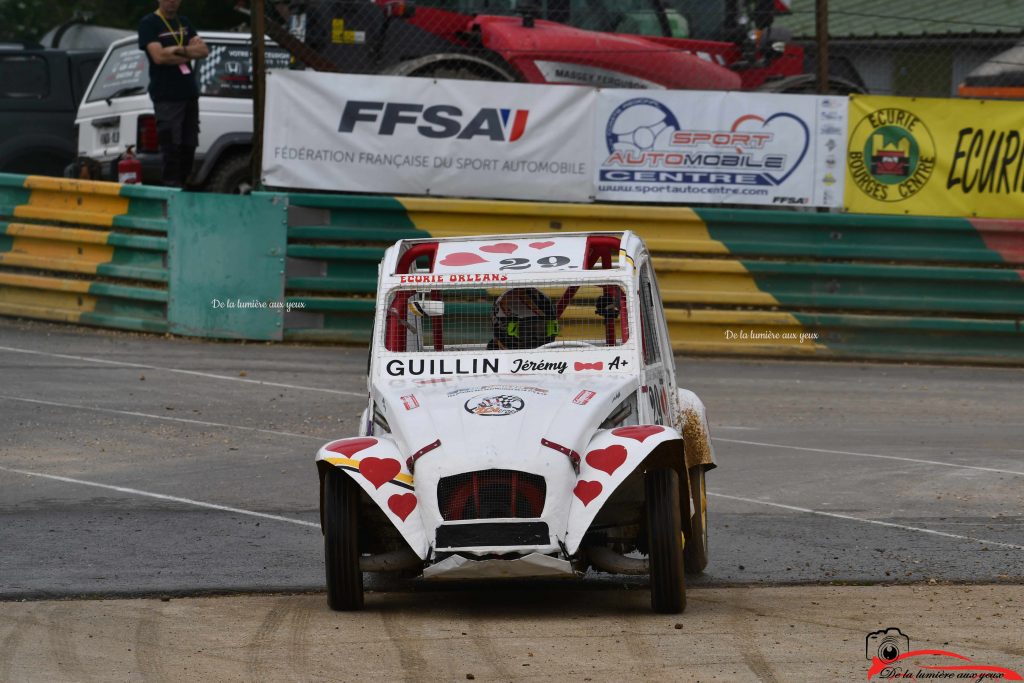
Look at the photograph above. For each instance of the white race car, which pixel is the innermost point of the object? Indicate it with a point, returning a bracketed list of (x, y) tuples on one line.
[(523, 421)]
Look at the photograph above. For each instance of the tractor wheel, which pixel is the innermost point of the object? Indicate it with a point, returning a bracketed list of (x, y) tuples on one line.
[(665, 534), (341, 542), (456, 66)]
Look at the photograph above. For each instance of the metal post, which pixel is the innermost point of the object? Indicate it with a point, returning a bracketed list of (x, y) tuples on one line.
[(259, 90), (821, 34)]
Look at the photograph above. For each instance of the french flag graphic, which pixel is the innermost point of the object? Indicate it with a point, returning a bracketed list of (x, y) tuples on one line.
[(518, 126)]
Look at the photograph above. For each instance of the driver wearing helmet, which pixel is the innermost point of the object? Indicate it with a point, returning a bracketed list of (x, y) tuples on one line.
[(523, 318)]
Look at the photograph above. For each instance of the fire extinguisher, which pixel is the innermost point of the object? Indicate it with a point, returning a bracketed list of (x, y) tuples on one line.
[(129, 168)]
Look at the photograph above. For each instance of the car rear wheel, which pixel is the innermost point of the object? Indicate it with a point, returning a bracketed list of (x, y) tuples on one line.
[(695, 552), (341, 542), (665, 538)]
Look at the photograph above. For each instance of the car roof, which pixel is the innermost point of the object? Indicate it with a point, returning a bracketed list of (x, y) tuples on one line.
[(549, 255)]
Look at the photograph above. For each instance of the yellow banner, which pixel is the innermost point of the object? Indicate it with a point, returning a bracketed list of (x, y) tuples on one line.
[(935, 157)]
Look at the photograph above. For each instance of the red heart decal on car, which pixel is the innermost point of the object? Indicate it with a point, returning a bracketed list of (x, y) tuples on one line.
[(379, 471), (350, 447), (462, 258), (402, 504), (607, 459), (500, 248), (639, 432), (541, 245), (587, 491)]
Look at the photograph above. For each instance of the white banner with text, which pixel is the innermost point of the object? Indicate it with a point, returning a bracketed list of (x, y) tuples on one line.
[(724, 147), (400, 135)]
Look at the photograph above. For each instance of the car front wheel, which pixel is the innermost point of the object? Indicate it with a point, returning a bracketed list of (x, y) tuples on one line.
[(341, 542), (665, 538)]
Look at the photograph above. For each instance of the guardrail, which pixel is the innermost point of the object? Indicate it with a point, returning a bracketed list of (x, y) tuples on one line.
[(733, 281), (84, 252)]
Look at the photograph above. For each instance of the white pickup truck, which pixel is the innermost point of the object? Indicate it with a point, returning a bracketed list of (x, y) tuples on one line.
[(116, 112)]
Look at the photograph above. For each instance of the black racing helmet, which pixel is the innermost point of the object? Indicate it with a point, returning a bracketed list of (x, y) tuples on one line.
[(524, 318)]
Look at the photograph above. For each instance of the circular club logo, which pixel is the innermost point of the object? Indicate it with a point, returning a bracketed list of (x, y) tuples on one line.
[(497, 405), (892, 155), (640, 124)]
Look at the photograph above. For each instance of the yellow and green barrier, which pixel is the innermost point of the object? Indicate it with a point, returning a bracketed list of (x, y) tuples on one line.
[(83, 252), (749, 282), (733, 281)]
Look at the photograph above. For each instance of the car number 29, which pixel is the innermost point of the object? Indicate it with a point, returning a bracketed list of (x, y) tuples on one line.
[(543, 262)]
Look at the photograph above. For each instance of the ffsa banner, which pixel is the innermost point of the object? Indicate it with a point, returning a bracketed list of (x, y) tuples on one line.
[(730, 147), (423, 136), (935, 157)]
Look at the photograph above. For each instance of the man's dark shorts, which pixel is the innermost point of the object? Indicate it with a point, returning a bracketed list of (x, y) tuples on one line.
[(177, 122)]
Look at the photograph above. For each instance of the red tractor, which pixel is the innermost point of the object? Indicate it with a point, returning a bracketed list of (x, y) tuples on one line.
[(674, 44)]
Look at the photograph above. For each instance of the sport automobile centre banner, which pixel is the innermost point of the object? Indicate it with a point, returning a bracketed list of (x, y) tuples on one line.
[(935, 157), (730, 147), (392, 134)]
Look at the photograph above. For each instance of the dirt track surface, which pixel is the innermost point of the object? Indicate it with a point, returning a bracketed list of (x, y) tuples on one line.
[(737, 634)]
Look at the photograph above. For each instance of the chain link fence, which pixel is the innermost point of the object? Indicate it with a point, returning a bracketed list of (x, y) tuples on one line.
[(938, 48)]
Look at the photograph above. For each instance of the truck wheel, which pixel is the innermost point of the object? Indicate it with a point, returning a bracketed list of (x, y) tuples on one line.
[(695, 551), (232, 175), (665, 533), (341, 542)]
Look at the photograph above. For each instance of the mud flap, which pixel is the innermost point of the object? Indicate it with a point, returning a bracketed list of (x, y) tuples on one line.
[(692, 423), (610, 458), (375, 463)]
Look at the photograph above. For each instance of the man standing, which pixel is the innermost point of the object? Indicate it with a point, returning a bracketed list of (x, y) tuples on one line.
[(170, 44)]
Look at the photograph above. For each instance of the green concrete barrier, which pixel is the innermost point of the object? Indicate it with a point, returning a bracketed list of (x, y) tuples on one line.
[(799, 284)]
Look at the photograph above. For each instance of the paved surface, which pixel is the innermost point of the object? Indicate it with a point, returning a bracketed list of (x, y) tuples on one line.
[(134, 465), (582, 633), (828, 471)]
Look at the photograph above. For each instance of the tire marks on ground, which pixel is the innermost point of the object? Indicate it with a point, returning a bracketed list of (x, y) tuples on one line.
[(747, 644), (62, 644), (259, 667), (149, 649), (413, 663)]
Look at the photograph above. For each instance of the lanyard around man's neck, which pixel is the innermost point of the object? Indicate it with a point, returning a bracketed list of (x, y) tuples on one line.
[(179, 37)]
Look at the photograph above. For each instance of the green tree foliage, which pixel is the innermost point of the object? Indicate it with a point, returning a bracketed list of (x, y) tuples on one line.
[(28, 20)]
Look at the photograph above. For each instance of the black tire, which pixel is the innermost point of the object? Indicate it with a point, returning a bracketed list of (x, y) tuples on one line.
[(665, 534), (695, 551), (233, 175), (460, 67), (341, 542), (807, 84)]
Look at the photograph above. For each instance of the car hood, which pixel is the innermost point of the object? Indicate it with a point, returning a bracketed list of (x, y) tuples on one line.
[(525, 422)]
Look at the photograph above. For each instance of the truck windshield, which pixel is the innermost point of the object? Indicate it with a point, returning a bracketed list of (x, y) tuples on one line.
[(226, 72), (124, 73), (506, 318)]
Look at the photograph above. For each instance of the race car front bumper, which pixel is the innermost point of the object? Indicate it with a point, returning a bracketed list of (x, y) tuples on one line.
[(533, 565)]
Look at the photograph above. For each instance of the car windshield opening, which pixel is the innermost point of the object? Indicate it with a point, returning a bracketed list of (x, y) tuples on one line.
[(521, 317)]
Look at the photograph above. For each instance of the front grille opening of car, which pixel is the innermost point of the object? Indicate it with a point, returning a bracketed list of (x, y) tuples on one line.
[(491, 494)]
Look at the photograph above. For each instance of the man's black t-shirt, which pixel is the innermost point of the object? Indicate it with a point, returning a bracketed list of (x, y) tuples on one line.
[(167, 83)]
